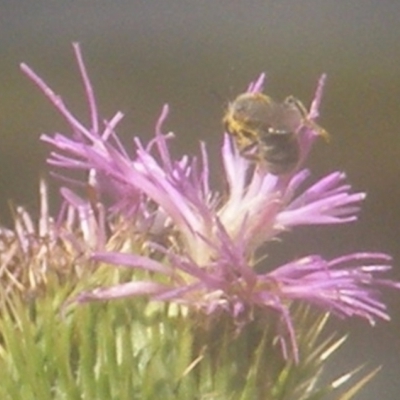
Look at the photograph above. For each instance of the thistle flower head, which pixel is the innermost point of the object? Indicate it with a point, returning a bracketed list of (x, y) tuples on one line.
[(199, 244)]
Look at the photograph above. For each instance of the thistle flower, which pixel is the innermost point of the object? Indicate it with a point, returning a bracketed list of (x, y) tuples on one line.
[(33, 252), (201, 246)]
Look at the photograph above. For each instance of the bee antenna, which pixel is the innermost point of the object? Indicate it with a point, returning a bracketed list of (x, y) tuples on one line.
[(216, 95)]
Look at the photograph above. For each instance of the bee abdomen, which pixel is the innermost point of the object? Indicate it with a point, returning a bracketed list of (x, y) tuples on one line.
[(280, 151)]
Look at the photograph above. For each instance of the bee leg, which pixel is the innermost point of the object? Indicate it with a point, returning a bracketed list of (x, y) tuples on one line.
[(318, 129), (292, 101), (250, 152)]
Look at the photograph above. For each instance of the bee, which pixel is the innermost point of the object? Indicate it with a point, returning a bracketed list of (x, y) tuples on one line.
[(266, 131)]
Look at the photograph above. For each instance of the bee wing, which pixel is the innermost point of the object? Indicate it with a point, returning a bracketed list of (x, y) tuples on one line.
[(286, 118)]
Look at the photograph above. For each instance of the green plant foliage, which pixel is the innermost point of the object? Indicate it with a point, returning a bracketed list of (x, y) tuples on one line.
[(132, 349)]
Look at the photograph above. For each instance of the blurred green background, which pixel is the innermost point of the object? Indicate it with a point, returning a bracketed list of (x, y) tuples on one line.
[(196, 55)]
